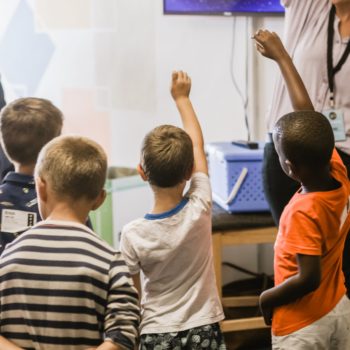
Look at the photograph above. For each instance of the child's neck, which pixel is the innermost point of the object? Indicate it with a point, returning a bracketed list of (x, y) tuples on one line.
[(75, 212), (166, 199), (321, 183), (24, 169)]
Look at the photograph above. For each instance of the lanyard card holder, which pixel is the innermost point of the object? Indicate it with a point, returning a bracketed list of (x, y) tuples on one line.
[(335, 116), (336, 119)]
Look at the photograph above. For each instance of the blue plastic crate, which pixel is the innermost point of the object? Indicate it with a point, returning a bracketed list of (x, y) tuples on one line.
[(231, 166)]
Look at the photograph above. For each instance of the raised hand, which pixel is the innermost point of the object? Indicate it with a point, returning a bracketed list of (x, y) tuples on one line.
[(269, 45), (180, 85), (180, 91)]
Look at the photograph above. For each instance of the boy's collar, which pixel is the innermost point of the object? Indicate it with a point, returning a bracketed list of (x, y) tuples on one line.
[(168, 213), (19, 178)]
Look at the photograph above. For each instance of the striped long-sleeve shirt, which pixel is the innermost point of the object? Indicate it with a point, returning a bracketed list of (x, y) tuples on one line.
[(62, 287)]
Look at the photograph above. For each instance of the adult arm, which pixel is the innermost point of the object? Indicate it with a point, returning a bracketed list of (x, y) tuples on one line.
[(304, 282), (180, 91), (270, 46)]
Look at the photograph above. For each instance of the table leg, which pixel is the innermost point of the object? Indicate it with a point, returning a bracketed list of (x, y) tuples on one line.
[(217, 255)]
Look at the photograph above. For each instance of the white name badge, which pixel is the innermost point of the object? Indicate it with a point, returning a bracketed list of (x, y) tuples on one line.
[(336, 119), (15, 221)]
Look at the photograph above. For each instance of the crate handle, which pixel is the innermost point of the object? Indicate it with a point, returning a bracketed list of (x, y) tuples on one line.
[(237, 185)]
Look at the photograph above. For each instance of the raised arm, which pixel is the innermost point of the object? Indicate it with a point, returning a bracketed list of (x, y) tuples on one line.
[(180, 91), (270, 46)]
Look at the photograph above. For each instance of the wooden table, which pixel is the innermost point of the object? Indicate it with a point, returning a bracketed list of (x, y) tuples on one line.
[(237, 229)]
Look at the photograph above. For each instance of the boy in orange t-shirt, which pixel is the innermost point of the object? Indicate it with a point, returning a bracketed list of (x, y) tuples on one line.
[(307, 307)]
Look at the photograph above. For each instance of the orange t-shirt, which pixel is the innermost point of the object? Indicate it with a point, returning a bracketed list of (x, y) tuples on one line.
[(313, 223)]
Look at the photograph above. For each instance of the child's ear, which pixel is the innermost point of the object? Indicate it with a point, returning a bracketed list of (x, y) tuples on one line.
[(189, 174), (141, 172), (41, 189), (292, 170), (99, 200)]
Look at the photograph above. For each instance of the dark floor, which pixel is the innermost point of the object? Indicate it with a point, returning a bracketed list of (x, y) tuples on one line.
[(256, 339), (259, 339)]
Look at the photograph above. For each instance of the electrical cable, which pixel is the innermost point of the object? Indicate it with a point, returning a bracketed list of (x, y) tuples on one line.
[(243, 98)]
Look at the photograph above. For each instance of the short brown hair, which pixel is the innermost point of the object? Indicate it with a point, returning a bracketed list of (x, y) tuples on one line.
[(167, 156), (26, 125), (74, 166)]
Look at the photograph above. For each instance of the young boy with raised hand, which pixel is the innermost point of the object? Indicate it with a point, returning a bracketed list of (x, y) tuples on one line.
[(308, 306), (26, 125), (61, 286), (171, 245)]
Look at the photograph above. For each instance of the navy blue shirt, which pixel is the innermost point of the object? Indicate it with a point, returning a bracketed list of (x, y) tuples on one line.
[(17, 193)]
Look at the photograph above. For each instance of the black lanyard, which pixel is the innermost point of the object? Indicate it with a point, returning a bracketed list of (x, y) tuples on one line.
[(330, 69)]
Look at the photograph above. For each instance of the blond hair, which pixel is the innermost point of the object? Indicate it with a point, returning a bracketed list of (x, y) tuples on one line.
[(26, 125), (167, 156), (74, 167)]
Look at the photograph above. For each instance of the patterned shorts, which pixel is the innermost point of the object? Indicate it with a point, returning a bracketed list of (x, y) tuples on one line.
[(207, 337)]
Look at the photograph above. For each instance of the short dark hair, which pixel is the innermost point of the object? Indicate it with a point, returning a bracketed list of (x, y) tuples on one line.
[(74, 166), (26, 125), (306, 138), (167, 156)]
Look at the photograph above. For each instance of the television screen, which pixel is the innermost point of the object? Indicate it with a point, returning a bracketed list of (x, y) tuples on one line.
[(224, 7)]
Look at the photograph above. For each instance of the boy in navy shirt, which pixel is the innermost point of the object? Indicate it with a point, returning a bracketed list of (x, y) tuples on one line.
[(26, 125)]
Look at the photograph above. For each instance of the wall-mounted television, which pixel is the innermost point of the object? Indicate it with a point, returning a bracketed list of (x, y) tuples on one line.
[(222, 7)]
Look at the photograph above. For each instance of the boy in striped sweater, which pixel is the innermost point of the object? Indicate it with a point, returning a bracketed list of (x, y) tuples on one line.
[(61, 286)]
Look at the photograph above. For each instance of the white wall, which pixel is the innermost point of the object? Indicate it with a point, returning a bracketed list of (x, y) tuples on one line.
[(198, 44), (109, 63)]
